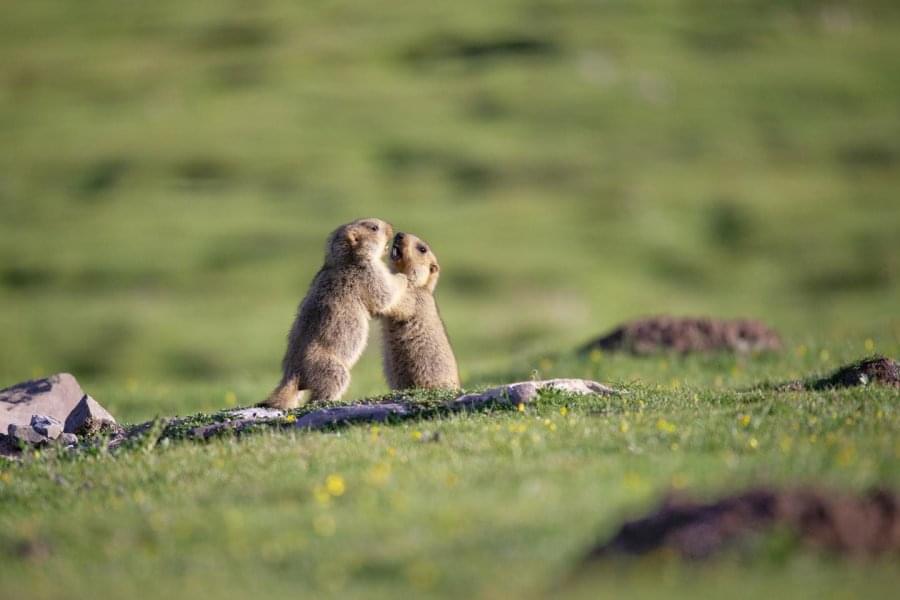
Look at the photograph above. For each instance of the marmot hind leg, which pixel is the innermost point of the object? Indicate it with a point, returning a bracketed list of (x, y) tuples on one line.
[(286, 396), (329, 379)]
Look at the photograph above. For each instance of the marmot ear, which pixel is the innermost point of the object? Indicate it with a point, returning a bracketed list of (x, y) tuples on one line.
[(353, 238), (434, 268)]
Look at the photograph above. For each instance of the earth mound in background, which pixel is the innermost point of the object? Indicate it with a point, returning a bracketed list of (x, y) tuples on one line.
[(687, 335), (845, 524)]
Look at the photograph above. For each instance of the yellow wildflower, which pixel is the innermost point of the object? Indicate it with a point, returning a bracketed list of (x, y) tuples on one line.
[(665, 426), (321, 495), (335, 485)]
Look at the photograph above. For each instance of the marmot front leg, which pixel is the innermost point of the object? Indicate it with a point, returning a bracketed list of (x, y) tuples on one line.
[(388, 293)]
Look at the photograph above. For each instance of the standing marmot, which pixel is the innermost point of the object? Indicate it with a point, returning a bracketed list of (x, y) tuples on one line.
[(332, 323), (417, 353)]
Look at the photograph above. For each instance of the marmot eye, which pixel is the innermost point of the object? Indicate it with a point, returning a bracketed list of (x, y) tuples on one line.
[(422, 249), (373, 227)]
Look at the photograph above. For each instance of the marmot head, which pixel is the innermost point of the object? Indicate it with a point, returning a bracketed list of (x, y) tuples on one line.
[(363, 239), (411, 256)]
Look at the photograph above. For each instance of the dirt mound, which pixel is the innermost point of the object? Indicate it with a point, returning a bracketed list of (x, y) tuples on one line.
[(867, 525), (686, 334), (877, 369)]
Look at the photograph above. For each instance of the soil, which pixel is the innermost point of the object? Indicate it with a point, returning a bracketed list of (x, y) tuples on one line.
[(688, 334), (845, 524), (876, 369)]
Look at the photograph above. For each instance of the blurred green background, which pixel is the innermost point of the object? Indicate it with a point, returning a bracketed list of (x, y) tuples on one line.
[(169, 172)]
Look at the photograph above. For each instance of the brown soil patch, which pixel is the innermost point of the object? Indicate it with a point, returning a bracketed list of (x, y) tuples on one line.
[(877, 369), (859, 525), (686, 334)]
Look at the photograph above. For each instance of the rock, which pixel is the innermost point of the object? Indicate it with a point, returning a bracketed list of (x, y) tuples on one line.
[(59, 397), (27, 434), (398, 408), (512, 394), (68, 439), (89, 417), (356, 413), (9, 448), (256, 412), (46, 426), (525, 391)]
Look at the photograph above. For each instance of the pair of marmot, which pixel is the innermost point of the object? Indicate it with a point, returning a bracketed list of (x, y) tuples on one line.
[(332, 323)]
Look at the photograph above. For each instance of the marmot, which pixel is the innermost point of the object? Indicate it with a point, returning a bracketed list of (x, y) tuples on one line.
[(332, 323), (417, 352)]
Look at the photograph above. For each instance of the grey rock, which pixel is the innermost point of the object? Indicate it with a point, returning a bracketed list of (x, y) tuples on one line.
[(256, 412), (525, 391), (396, 409), (27, 434), (356, 413), (58, 396), (68, 439), (512, 394), (46, 426), (89, 417), (9, 448)]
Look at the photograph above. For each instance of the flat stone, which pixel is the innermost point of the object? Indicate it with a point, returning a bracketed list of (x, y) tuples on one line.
[(256, 412), (524, 392), (27, 434), (58, 396), (355, 413), (46, 426)]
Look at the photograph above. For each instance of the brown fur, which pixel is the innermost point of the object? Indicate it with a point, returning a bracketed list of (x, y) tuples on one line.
[(417, 352), (332, 325)]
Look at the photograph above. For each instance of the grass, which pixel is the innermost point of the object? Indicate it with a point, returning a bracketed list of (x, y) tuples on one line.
[(168, 175), (496, 504)]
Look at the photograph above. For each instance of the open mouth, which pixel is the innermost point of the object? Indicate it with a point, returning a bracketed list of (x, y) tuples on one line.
[(395, 251)]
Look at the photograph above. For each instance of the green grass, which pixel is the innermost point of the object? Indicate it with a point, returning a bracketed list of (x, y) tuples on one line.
[(501, 504), (169, 173)]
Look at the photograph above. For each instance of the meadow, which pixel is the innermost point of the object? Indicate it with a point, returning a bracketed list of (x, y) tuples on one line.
[(169, 173)]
